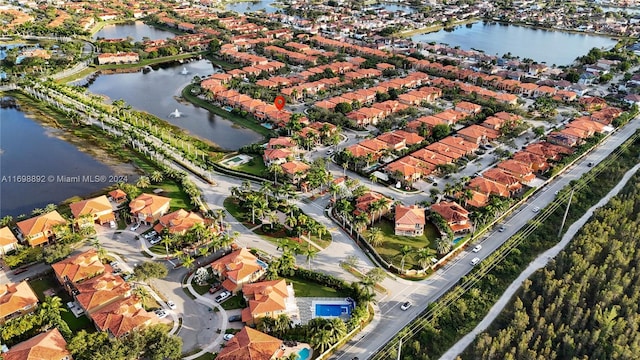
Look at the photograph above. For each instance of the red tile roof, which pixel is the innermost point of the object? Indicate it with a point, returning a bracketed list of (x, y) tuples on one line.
[(250, 344), (16, 297), (46, 346)]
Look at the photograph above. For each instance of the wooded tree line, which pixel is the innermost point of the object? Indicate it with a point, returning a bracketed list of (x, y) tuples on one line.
[(584, 304)]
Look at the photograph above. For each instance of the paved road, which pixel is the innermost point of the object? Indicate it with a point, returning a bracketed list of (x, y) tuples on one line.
[(536, 264), (425, 292)]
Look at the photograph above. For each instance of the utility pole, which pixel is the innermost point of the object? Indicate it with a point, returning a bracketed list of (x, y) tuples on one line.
[(399, 349), (566, 212)]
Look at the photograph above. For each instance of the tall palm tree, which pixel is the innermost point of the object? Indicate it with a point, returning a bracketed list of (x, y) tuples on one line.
[(423, 257), (282, 324), (443, 245), (51, 307), (141, 293), (188, 262), (266, 324), (345, 208), (143, 182), (267, 190), (276, 170), (404, 251), (375, 237), (360, 221), (157, 176), (321, 340), (166, 241), (310, 253)]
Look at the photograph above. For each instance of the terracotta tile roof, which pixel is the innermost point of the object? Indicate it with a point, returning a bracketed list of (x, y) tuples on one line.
[(117, 194), (148, 204), (101, 290), (16, 297), (276, 154), (282, 141), (460, 143), (410, 138), (237, 265), (517, 169), (266, 296), (179, 221), (409, 216), (451, 211), (432, 157), (121, 317), (79, 267), (487, 186), (46, 346), (374, 144), (448, 151), (40, 224), (7, 237), (98, 205), (478, 199), (295, 166), (501, 176), (250, 344), (548, 150), (363, 201), (358, 150)]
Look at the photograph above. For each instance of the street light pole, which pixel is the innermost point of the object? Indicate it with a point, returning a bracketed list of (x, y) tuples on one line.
[(566, 212)]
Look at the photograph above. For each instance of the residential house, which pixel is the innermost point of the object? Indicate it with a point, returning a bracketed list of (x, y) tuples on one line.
[(537, 163), (468, 108), (49, 345), (277, 156), (502, 177), (39, 229), (77, 268), (8, 241), (409, 169), (393, 141), (409, 138), (121, 317), (446, 150), (269, 299), (295, 170), (488, 187), (118, 58), (431, 157), (562, 139), (281, 142), (459, 143), (250, 344), (148, 208), (178, 222), (118, 196), (409, 220), (88, 211), (522, 171), (238, 268), (16, 300), (456, 216), (548, 150), (96, 293), (478, 134), (363, 204)]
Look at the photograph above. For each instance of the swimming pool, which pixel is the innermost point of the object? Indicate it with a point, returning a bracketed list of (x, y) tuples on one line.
[(304, 354), (263, 264), (330, 309)]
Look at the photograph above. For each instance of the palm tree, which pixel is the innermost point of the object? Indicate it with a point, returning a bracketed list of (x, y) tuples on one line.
[(360, 221), (334, 190), (276, 170), (143, 182), (141, 293), (157, 176), (51, 307), (188, 262), (282, 324), (266, 324), (404, 251), (375, 237), (345, 208), (443, 245), (166, 241), (291, 221), (266, 189), (423, 257), (310, 254), (321, 340)]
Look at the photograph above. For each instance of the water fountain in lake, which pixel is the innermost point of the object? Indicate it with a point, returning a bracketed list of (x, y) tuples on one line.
[(184, 71), (175, 114)]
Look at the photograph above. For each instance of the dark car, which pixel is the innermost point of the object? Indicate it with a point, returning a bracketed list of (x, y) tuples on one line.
[(234, 318), (19, 271)]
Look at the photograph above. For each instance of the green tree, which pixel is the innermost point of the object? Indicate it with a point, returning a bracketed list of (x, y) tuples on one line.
[(150, 270)]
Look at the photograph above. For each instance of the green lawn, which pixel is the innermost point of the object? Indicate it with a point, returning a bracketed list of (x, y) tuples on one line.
[(305, 288), (390, 249), (255, 166), (201, 289), (49, 281), (234, 302), (206, 356), (77, 324), (232, 206), (179, 199)]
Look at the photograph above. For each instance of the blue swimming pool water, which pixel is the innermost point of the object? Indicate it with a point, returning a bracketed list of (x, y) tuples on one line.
[(304, 354), (262, 263), (332, 310)]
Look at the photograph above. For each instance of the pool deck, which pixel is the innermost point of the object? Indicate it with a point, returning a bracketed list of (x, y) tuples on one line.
[(290, 350)]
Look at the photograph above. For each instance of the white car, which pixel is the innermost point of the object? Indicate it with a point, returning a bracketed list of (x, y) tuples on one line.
[(536, 209), (502, 228), (475, 261), (161, 314), (150, 234), (135, 227), (171, 305), (155, 240), (112, 224), (227, 337), (405, 306), (223, 296), (477, 248)]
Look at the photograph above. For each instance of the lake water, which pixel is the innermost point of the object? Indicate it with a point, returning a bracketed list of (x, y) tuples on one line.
[(251, 6), (27, 148), (551, 47), (136, 30), (158, 91)]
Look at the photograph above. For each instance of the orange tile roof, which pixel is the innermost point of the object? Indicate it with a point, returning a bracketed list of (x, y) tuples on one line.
[(410, 138), (460, 143), (93, 206), (487, 186), (46, 346), (237, 265), (123, 316), (409, 216), (295, 166), (40, 224), (451, 211), (501, 176), (250, 344), (101, 290), (179, 221), (148, 204), (15, 297), (7, 237), (266, 296), (117, 194), (374, 144), (363, 201), (432, 157), (79, 267), (282, 141)]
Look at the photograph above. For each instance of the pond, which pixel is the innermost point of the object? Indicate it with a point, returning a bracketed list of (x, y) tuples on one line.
[(548, 46), (137, 30), (38, 168), (158, 92)]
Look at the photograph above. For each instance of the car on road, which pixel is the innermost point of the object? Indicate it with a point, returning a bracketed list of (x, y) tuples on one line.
[(536, 209), (135, 227), (227, 337), (223, 296), (150, 234), (502, 228), (557, 192), (161, 314), (405, 306), (477, 248), (171, 305), (234, 318), (330, 152), (590, 164), (475, 261), (155, 240)]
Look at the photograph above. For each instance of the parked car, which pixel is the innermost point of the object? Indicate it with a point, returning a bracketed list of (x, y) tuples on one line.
[(150, 234), (161, 314), (135, 227), (112, 224), (234, 318), (155, 240), (214, 288), (171, 305), (405, 306), (475, 261), (223, 296), (477, 248), (227, 337)]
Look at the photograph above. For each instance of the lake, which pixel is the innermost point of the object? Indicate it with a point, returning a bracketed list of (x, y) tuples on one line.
[(251, 6), (29, 149), (137, 30), (551, 47), (158, 91)]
